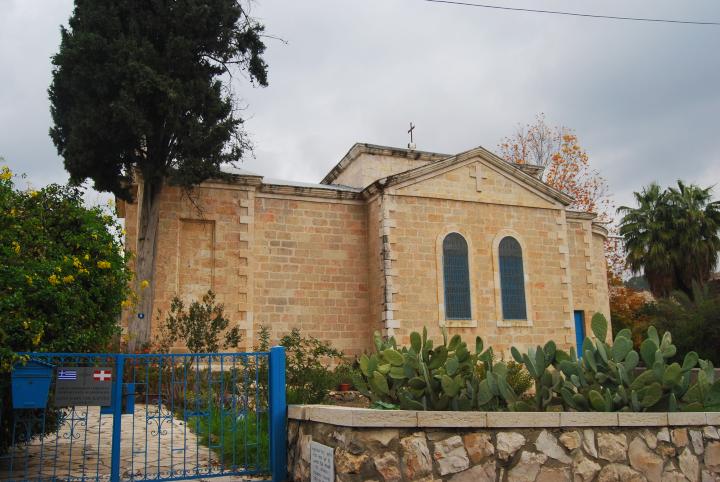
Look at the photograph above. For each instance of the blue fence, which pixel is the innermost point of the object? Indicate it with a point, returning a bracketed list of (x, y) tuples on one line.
[(122, 417)]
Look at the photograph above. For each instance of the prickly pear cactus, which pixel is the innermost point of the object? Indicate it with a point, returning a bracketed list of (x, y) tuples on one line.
[(540, 362), (604, 377), (426, 377)]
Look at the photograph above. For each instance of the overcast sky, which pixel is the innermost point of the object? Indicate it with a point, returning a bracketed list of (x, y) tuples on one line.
[(644, 98)]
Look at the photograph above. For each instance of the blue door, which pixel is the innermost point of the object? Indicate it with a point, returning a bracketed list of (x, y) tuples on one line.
[(579, 331)]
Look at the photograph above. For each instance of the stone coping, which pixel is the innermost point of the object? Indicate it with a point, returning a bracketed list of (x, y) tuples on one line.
[(365, 417)]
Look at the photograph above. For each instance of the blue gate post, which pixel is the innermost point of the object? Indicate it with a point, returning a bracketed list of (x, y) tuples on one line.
[(278, 415), (117, 418)]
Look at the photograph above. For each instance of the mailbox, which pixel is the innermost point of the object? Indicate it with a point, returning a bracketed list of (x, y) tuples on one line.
[(31, 384)]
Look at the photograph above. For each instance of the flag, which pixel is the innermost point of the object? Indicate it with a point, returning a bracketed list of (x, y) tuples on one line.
[(67, 374), (102, 375)]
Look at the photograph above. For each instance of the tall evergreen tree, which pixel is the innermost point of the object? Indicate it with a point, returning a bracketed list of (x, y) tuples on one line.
[(141, 93)]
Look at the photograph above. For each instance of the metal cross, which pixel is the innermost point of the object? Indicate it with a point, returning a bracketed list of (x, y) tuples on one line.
[(410, 131)]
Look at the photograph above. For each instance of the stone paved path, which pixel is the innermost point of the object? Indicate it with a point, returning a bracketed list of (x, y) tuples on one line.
[(82, 448)]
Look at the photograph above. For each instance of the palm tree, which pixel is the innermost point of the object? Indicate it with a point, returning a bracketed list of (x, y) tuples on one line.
[(673, 236), (647, 239), (697, 226)]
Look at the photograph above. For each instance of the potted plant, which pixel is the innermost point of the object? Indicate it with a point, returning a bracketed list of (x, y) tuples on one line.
[(343, 372)]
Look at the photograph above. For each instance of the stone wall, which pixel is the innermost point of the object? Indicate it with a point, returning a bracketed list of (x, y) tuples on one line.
[(311, 270), (200, 249), (420, 225), (340, 264), (478, 446)]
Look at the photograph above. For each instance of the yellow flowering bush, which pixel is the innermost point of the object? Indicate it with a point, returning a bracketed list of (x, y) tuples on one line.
[(63, 272)]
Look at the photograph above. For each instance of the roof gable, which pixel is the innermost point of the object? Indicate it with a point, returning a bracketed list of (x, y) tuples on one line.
[(365, 163), (475, 175)]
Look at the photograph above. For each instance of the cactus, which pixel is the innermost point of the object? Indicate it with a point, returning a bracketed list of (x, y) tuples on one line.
[(605, 378), (450, 376), (426, 377), (548, 382)]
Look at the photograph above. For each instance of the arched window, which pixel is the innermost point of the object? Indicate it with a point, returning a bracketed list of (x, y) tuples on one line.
[(456, 276), (512, 279)]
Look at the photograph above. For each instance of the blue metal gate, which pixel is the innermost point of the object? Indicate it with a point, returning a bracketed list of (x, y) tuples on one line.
[(171, 417)]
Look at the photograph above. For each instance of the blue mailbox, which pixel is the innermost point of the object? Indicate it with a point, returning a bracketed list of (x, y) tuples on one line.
[(31, 384)]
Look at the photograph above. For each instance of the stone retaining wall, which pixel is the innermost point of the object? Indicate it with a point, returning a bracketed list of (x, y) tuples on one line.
[(373, 445)]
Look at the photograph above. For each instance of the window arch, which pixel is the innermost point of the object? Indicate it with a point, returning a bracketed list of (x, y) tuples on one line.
[(456, 277), (512, 279)]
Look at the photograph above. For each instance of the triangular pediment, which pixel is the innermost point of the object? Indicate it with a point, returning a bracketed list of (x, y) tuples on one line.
[(477, 176)]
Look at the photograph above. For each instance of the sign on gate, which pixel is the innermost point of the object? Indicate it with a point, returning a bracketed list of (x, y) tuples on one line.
[(83, 386)]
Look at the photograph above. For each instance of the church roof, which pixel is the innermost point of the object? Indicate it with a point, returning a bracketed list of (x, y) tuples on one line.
[(431, 162), (363, 148), (479, 151), (312, 185)]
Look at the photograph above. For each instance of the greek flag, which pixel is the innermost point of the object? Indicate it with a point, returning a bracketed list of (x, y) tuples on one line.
[(67, 374)]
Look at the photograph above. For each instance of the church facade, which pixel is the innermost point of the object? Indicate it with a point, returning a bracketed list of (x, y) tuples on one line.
[(391, 240)]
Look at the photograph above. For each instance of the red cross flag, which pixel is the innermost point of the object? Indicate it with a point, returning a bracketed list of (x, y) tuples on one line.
[(102, 375)]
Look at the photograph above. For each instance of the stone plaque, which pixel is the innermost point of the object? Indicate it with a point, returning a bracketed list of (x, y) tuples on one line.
[(83, 386), (322, 463)]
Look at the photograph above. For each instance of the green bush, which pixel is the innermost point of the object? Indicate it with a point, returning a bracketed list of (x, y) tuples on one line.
[(63, 274), (63, 277), (606, 379), (695, 322), (239, 439), (308, 375), (200, 328)]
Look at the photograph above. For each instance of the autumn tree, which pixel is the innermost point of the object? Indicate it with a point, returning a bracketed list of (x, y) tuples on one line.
[(566, 168), (141, 92), (566, 164), (628, 309)]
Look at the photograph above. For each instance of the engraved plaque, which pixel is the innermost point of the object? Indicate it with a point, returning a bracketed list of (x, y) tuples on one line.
[(322, 463)]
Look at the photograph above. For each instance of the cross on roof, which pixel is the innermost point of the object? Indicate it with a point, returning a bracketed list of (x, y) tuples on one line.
[(410, 131)]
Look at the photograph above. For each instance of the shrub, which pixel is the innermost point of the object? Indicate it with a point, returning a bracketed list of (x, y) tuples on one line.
[(63, 276), (629, 310), (308, 375), (199, 328), (309, 378), (695, 322)]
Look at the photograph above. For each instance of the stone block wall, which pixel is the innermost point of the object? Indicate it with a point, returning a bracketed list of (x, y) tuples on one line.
[(202, 244), (460, 446), (420, 224), (339, 264), (311, 270)]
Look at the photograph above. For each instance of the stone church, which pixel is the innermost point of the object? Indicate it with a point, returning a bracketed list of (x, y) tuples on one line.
[(391, 240)]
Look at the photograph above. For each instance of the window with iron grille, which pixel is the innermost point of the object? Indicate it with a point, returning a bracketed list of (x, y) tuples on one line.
[(512, 280), (456, 276)]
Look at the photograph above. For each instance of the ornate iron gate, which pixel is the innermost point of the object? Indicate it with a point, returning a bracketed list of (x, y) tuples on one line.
[(169, 417)]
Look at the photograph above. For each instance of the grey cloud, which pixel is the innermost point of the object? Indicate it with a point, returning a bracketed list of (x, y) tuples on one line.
[(642, 97)]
